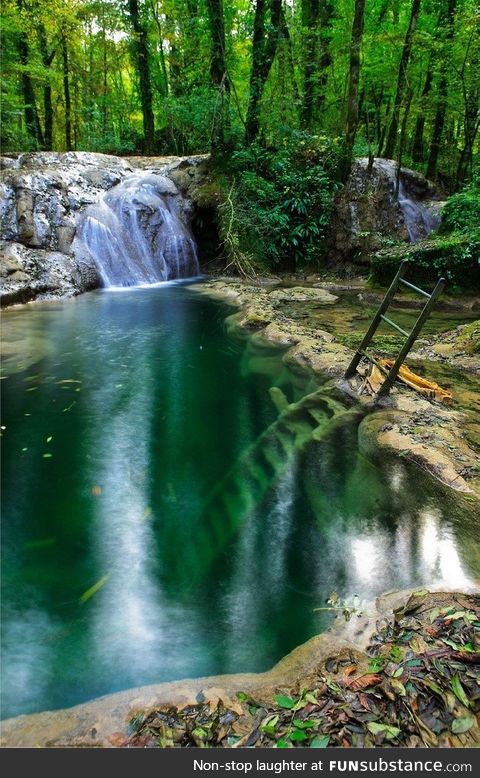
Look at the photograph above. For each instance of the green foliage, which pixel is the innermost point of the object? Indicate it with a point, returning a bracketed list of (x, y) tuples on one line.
[(462, 210), (281, 200), (455, 257)]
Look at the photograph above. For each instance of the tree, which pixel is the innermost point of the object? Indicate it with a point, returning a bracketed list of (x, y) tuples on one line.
[(218, 68), (141, 59), (439, 120), (353, 83), (266, 28), (402, 79)]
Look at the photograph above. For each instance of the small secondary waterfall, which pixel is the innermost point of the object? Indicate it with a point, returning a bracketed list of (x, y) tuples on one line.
[(137, 233), (420, 220)]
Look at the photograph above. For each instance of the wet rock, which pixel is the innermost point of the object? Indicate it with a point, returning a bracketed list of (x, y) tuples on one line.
[(367, 211), (30, 273), (302, 294), (42, 197)]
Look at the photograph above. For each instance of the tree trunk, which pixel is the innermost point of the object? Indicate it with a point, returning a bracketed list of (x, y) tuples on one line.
[(32, 120), (218, 69), (353, 84), (285, 34), (417, 148), (439, 120), (310, 14), (402, 79), (263, 54), (316, 19), (140, 48), (47, 59), (66, 93)]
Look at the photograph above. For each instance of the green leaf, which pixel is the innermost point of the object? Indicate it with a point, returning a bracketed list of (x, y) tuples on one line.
[(242, 696), (304, 724), (282, 744), (462, 724), (392, 732), (459, 691), (375, 728), (269, 725), (94, 589), (298, 734), (320, 741), (283, 701)]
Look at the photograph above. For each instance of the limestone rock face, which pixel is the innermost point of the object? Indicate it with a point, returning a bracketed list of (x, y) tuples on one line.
[(42, 197), (367, 211), (31, 273)]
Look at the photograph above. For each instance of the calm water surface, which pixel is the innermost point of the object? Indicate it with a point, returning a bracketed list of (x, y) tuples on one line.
[(123, 412)]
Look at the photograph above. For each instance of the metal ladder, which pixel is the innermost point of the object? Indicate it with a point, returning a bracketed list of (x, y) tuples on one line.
[(410, 336)]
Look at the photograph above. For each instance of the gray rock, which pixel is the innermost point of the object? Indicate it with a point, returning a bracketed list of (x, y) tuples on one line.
[(42, 198), (367, 211), (29, 274)]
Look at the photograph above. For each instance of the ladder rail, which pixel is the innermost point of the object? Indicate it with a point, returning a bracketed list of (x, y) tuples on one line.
[(411, 337), (394, 370), (376, 321)]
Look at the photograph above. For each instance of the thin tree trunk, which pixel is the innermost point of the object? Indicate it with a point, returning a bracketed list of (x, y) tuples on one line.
[(263, 54), (417, 148), (353, 83), (402, 79), (32, 120), (140, 48), (47, 59), (161, 50), (439, 120), (310, 14), (218, 70), (285, 34), (66, 93)]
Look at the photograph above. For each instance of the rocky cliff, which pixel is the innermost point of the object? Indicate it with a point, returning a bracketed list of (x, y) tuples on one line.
[(42, 196)]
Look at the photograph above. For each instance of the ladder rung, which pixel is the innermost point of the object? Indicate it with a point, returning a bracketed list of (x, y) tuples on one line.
[(392, 324), (415, 288), (374, 362)]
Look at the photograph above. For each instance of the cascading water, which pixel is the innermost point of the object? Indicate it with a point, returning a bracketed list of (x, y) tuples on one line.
[(419, 219), (137, 233)]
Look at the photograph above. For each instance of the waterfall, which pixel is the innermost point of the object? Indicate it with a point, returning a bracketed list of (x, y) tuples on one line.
[(137, 233), (420, 220)]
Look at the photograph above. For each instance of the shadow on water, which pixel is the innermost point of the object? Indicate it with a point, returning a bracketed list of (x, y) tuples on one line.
[(163, 518)]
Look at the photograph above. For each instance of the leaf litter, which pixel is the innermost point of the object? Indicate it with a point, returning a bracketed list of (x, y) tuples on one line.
[(424, 690)]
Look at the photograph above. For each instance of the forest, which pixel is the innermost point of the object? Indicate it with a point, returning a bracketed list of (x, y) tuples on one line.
[(394, 78), (283, 94)]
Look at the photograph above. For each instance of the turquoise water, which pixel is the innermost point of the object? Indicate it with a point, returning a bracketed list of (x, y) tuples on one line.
[(136, 549)]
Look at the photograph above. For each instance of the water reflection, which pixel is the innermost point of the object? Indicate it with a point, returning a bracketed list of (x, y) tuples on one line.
[(119, 566)]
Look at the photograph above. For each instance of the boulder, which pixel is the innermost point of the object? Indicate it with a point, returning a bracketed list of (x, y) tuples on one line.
[(367, 212)]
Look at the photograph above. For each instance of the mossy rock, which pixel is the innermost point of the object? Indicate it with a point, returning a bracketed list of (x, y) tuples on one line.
[(455, 257)]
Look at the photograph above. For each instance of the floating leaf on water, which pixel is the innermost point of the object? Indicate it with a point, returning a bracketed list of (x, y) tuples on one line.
[(147, 513), (96, 491), (25, 448), (50, 438), (32, 389), (94, 589), (44, 543), (47, 456), (68, 381), (462, 724), (320, 741)]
